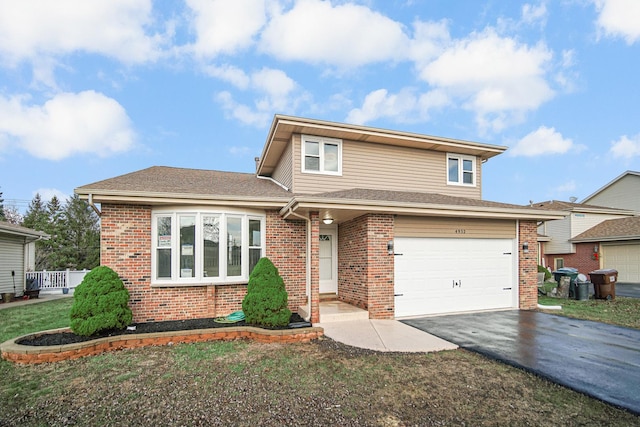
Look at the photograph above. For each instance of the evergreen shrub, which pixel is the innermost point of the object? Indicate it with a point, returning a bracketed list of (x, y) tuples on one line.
[(266, 301), (100, 303)]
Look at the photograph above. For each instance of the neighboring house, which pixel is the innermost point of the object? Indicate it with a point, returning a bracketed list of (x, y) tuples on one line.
[(17, 255), (619, 242), (388, 221), (559, 249), (622, 193)]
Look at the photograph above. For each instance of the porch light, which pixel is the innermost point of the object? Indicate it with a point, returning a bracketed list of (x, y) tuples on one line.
[(525, 247), (390, 247), (328, 220), (595, 248)]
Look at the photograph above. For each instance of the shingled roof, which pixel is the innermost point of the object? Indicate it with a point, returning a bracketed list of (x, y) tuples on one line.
[(178, 182), (612, 229)]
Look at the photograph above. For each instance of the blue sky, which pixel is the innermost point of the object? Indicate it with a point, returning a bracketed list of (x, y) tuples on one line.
[(94, 89)]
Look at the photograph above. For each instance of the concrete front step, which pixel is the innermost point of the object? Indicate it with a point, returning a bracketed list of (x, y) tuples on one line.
[(337, 311)]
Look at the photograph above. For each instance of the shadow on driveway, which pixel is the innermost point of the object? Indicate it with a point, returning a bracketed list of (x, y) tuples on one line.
[(596, 359)]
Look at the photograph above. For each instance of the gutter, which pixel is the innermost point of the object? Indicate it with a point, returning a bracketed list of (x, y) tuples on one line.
[(268, 178), (308, 261), (93, 205)]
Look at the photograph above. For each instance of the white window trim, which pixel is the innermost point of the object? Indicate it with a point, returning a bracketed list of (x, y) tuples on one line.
[(200, 279), (322, 141), (461, 158)]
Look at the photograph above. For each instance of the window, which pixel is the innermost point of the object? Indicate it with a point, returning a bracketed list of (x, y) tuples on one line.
[(194, 254), (461, 170), (559, 262), (321, 155)]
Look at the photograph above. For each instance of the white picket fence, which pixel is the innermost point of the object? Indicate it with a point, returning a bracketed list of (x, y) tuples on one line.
[(52, 281)]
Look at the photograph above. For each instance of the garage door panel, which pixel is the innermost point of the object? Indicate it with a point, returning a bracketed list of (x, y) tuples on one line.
[(625, 259), (447, 275)]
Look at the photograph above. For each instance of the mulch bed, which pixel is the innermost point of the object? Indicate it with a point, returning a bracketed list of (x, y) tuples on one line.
[(62, 338)]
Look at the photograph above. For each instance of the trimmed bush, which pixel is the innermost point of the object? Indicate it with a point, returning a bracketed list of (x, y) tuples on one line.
[(100, 303), (266, 301)]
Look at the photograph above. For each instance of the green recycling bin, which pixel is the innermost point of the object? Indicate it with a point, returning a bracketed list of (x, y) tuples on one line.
[(572, 273)]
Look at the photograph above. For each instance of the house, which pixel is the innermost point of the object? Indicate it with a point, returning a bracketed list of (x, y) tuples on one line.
[(559, 247), (388, 221), (17, 255), (602, 231)]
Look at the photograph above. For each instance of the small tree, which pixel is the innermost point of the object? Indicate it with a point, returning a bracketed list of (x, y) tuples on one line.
[(266, 301), (100, 303)]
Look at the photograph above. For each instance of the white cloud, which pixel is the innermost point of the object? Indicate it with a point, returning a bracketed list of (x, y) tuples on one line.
[(619, 18), (31, 29), (401, 106), (626, 147), (344, 35), (566, 187), (542, 141), (496, 77), (230, 74), (534, 14), (67, 124), (224, 27), (275, 92)]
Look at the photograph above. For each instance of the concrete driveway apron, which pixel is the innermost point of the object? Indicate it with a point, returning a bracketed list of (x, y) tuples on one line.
[(599, 360)]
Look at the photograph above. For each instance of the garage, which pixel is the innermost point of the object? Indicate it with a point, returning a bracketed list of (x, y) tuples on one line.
[(436, 275), (625, 259)]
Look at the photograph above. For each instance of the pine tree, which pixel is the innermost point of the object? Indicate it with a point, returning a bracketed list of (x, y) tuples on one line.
[(57, 258), (82, 245), (2, 215), (37, 218)]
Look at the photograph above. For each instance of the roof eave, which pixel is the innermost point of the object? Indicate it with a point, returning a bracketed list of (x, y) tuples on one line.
[(604, 239)]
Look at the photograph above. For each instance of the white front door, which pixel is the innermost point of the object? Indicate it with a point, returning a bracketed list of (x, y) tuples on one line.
[(328, 260)]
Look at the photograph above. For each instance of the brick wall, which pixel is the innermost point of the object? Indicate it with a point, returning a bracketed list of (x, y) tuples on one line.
[(528, 268), (583, 259), (126, 248), (365, 269), (287, 249)]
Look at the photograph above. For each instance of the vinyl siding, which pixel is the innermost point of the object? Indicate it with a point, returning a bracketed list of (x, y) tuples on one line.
[(624, 194), (283, 172), (410, 226), (382, 167), (11, 259)]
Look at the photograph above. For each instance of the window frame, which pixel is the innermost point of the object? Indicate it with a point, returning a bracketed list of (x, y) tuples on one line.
[(322, 141), (199, 278), (461, 171)]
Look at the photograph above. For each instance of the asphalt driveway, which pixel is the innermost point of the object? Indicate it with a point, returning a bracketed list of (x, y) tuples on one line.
[(600, 360), (631, 290)]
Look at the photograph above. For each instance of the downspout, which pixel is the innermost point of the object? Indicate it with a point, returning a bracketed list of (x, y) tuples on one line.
[(308, 262), (93, 205)]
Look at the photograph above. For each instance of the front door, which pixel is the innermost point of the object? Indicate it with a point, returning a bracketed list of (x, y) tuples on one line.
[(328, 261)]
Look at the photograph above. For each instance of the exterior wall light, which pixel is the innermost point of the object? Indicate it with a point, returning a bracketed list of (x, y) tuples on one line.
[(328, 220), (390, 247), (525, 247)]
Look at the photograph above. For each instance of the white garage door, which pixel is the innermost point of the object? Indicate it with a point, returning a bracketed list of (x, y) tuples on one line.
[(439, 275), (625, 259)]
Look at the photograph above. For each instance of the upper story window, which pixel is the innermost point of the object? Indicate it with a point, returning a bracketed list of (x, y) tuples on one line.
[(321, 155), (461, 170), (202, 246)]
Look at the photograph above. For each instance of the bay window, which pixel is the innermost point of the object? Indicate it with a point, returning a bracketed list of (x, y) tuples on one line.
[(205, 247)]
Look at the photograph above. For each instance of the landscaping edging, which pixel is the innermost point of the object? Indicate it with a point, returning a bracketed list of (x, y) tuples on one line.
[(25, 354)]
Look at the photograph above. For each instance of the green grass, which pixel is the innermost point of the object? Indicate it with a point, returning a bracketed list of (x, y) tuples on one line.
[(26, 319), (620, 311)]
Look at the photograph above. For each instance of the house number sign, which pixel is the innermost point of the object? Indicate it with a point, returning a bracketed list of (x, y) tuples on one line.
[(461, 231)]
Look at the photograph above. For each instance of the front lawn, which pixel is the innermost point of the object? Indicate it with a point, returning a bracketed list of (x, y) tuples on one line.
[(249, 383), (621, 311)]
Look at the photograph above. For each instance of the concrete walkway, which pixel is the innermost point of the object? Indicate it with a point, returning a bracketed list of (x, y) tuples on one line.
[(384, 335), (600, 360), (41, 298)]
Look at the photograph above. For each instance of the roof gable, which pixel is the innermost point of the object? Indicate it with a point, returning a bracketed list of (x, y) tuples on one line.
[(613, 229), (627, 174)]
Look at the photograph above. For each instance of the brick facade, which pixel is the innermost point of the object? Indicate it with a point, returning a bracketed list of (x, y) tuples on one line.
[(584, 259), (365, 269), (528, 267), (126, 247)]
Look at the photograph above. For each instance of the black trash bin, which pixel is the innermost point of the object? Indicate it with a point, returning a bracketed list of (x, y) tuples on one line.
[(572, 273), (582, 290), (604, 283)]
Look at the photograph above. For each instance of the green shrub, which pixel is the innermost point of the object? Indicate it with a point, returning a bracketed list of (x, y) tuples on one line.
[(547, 273), (100, 303), (266, 301)]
